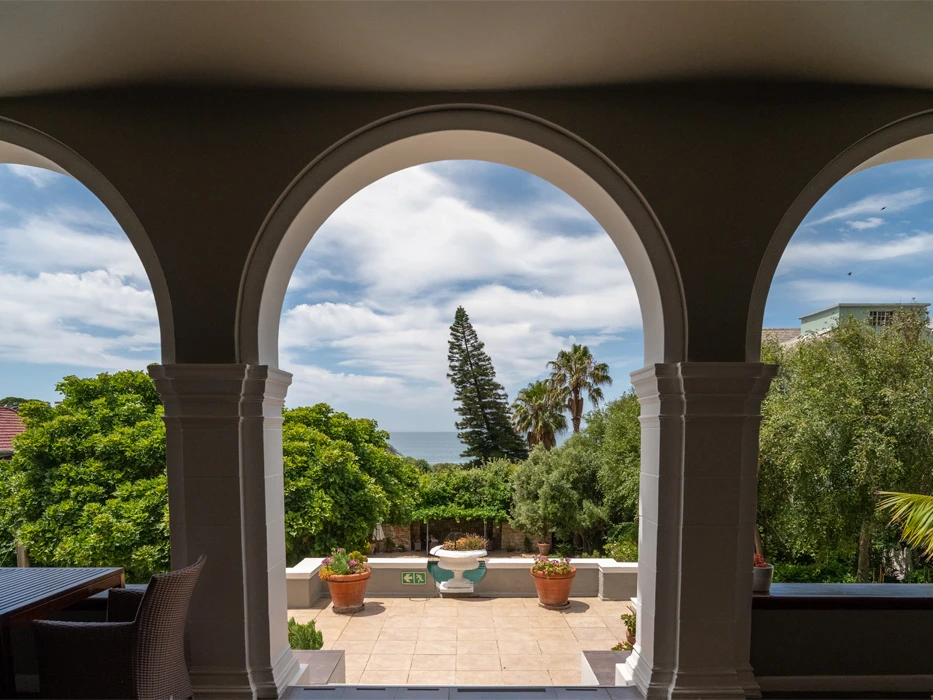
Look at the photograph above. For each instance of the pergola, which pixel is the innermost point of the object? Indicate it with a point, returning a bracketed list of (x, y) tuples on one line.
[(222, 135)]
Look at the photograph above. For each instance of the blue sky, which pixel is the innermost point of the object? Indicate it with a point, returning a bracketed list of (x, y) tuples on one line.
[(366, 317)]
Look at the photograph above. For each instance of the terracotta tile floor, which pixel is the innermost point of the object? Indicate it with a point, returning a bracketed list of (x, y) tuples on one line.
[(468, 641)]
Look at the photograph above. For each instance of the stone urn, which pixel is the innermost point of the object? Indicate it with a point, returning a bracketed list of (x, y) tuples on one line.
[(554, 589), (457, 562), (347, 591)]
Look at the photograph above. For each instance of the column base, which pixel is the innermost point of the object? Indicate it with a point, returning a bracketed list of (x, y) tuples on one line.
[(286, 671), (221, 683), (636, 671), (748, 682), (712, 685)]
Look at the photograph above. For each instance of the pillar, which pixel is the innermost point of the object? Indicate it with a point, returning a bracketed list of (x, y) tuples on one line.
[(226, 501), (697, 499)]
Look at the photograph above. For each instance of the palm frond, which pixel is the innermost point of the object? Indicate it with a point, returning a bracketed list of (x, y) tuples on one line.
[(914, 512)]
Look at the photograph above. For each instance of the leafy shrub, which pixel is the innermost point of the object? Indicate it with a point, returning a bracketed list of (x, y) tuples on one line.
[(629, 620), (622, 542), (551, 567), (526, 543), (557, 491), (466, 543), (340, 481), (304, 636), (87, 485), (480, 493), (340, 563)]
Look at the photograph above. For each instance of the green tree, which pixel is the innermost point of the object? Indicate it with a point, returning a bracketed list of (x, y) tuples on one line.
[(849, 414), (13, 402), (558, 491), (574, 373), (485, 424), (615, 432), (340, 481), (538, 412), (86, 485)]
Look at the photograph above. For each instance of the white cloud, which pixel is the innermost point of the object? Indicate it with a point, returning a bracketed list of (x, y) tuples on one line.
[(810, 254), (871, 222), (404, 253), (872, 204), (40, 177)]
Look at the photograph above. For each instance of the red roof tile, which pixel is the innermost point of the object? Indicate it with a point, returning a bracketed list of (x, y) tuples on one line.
[(10, 425)]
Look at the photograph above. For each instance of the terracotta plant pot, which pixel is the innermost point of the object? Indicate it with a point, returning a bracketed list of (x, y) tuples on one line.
[(554, 591), (544, 548), (347, 592)]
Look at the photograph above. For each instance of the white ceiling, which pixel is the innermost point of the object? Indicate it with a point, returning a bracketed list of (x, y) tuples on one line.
[(449, 44)]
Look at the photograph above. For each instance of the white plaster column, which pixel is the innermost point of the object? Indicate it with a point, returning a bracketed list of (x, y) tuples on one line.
[(699, 446), (226, 501)]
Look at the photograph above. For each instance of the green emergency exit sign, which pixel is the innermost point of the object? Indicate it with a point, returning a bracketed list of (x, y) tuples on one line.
[(414, 578)]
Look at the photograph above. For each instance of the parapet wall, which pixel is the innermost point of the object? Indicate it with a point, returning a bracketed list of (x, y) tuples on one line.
[(606, 579)]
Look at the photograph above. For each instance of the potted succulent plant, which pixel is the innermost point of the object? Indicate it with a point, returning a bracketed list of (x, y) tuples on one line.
[(346, 576), (762, 573), (553, 579)]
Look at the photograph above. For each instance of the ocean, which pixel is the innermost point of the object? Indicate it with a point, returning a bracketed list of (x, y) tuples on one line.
[(433, 447), (437, 447)]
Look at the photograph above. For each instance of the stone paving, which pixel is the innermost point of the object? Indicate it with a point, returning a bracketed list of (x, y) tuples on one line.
[(471, 641)]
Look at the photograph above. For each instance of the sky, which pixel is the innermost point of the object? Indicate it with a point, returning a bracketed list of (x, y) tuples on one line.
[(366, 318)]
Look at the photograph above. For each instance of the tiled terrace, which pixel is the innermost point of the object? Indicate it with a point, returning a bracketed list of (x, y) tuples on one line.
[(467, 641)]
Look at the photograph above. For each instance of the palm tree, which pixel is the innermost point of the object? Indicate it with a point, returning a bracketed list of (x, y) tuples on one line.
[(538, 412), (575, 372), (915, 513)]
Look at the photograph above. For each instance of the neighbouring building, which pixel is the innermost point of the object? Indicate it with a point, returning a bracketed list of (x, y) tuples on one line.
[(10, 427), (819, 322)]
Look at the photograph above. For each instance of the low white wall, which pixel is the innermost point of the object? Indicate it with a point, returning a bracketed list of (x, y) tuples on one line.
[(505, 577)]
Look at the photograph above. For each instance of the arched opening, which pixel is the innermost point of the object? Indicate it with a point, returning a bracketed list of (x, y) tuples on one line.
[(841, 307), (79, 325), (476, 135), (81, 296)]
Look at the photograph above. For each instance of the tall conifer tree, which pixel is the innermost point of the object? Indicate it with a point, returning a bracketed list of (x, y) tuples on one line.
[(486, 421)]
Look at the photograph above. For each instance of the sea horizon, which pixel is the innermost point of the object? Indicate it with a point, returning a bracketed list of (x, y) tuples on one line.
[(436, 446)]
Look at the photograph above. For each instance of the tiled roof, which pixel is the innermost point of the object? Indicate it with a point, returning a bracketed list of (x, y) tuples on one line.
[(10, 425), (781, 335)]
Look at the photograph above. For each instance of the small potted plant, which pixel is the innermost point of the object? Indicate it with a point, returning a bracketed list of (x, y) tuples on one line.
[(544, 548), (553, 579), (762, 573), (346, 576)]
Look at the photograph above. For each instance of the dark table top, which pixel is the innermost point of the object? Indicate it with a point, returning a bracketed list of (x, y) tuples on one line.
[(830, 596), (23, 589)]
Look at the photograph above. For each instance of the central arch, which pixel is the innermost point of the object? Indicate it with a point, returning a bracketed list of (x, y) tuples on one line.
[(461, 133)]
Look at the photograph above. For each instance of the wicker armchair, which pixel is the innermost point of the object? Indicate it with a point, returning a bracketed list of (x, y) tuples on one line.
[(138, 653)]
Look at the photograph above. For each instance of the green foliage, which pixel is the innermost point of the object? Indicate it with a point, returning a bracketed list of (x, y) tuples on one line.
[(481, 493), (343, 563), (485, 424), (850, 413), (340, 481), (420, 464), (615, 432), (558, 491), (538, 412), (465, 543), (914, 512), (14, 402), (551, 567), (575, 372), (87, 486), (304, 636), (622, 542), (630, 621)]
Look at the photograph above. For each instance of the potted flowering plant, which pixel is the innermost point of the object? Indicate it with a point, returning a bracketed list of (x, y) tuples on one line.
[(346, 576), (553, 579), (762, 573)]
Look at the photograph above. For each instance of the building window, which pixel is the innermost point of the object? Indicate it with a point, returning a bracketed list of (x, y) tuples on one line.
[(880, 318)]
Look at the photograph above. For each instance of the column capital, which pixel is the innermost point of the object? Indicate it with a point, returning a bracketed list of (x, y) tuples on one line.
[(712, 388)]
